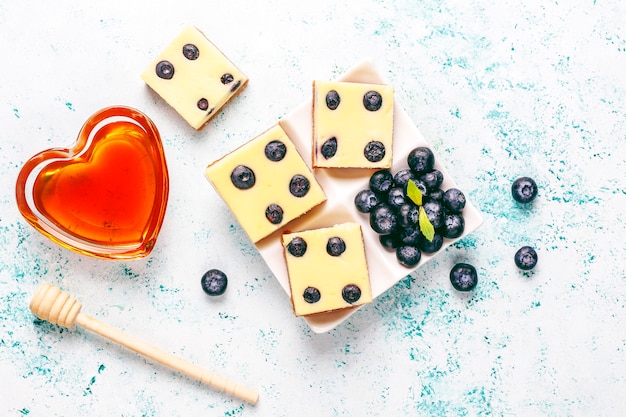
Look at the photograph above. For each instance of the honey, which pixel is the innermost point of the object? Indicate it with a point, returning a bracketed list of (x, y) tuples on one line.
[(106, 196)]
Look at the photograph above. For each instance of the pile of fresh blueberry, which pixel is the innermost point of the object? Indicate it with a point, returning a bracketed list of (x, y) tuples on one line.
[(395, 216)]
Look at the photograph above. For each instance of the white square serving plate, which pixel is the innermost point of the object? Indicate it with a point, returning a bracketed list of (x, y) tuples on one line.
[(341, 186)]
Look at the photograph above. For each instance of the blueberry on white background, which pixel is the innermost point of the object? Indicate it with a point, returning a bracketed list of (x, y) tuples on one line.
[(526, 258), (463, 277), (524, 190), (214, 282)]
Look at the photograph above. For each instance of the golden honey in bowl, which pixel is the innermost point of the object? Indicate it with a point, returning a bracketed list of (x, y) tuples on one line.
[(104, 197)]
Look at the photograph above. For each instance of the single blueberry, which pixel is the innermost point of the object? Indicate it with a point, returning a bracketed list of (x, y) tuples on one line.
[(374, 151), (191, 52), (335, 246), (329, 148), (408, 255), (524, 190), (311, 295), (436, 195), (389, 242), (275, 150), (165, 70), (402, 177), (433, 179), (463, 277), (227, 79), (421, 160), (372, 100), (526, 258), (409, 235), (396, 197), (381, 181), (383, 219), (274, 213), (420, 186), (243, 177), (214, 282), (351, 293), (434, 212), (297, 247), (430, 246), (299, 185), (454, 200), (365, 201), (203, 104), (453, 225), (332, 99), (408, 215)]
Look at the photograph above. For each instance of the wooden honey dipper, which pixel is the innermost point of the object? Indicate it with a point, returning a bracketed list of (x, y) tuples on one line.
[(58, 307)]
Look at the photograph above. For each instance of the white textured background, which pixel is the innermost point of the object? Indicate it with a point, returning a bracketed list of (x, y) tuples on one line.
[(499, 88)]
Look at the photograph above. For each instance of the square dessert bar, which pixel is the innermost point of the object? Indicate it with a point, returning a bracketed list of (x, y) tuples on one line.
[(327, 269), (266, 183), (352, 125), (194, 77)]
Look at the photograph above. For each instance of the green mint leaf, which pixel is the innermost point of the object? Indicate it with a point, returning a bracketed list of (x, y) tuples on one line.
[(414, 193), (426, 227)]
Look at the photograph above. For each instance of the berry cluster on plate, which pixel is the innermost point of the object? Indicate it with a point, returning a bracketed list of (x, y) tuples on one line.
[(409, 210)]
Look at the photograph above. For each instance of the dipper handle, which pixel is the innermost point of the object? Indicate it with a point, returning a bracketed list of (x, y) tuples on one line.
[(51, 304)]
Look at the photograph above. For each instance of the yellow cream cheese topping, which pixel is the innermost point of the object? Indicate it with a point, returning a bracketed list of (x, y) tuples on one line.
[(321, 281), (194, 77), (266, 183), (352, 125)]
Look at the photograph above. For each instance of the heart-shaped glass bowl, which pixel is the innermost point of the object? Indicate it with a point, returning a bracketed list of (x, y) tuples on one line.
[(106, 196), (341, 186)]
